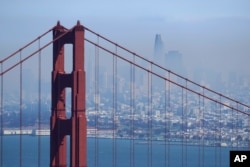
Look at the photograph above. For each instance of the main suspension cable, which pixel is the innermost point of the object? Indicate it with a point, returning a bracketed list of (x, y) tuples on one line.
[(178, 84), (25, 46), (161, 67), (34, 53)]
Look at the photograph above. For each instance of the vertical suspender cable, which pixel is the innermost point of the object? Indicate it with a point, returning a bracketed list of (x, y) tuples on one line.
[(150, 116), (20, 110), (248, 118), (133, 110), (130, 114), (1, 133), (186, 124), (166, 127), (201, 129), (215, 138), (182, 127), (203, 132), (200, 134), (148, 110), (232, 134), (220, 135), (39, 102), (237, 123), (96, 97), (248, 144), (169, 120), (114, 104), (132, 106)]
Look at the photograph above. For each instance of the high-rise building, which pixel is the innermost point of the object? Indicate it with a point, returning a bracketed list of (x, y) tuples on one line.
[(173, 61), (158, 49)]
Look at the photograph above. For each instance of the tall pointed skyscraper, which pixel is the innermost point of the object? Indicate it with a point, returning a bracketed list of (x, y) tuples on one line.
[(158, 49)]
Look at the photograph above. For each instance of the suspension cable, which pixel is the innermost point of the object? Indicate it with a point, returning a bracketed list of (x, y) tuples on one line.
[(215, 139), (237, 127), (161, 67), (166, 127), (133, 111), (21, 111), (220, 136), (150, 109), (203, 133), (178, 84), (186, 123), (35, 52), (97, 98), (169, 119), (182, 127), (39, 103), (1, 133), (131, 117), (199, 134), (114, 105), (22, 48)]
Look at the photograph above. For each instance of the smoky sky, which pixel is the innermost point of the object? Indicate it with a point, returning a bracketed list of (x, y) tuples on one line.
[(212, 34)]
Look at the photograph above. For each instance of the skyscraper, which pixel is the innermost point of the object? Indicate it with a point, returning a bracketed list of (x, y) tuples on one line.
[(158, 49), (173, 61)]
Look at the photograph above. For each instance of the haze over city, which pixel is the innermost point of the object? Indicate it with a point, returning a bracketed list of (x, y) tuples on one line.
[(212, 34), (126, 110)]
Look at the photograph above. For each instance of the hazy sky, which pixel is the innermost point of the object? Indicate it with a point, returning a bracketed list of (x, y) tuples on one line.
[(207, 33)]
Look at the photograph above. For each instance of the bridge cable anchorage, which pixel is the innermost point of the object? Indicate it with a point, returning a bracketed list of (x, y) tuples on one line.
[(174, 82)]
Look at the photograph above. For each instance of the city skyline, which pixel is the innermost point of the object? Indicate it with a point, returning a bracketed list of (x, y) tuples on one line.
[(99, 90), (208, 34)]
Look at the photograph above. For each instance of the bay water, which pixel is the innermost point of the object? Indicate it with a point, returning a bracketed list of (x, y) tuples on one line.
[(105, 152)]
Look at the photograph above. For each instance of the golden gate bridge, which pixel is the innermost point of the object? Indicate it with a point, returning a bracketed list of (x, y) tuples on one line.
[(122, 97)]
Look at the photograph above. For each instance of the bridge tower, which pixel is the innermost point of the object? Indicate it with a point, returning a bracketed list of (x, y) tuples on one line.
[(60, 125)]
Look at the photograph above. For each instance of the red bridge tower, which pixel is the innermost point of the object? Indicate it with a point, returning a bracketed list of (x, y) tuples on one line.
[(61, 126)]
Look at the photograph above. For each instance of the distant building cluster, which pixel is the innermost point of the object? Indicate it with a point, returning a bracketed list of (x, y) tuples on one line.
[(171, 60), (122, 104)]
